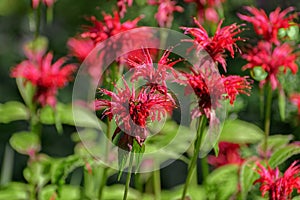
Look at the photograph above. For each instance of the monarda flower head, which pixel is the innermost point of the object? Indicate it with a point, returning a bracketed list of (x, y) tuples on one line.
[(166, 8), (223, 40), (210, 88), (273, 61), (47, 77), (131, 111), (279, 187), (268, 26), (122, 5)]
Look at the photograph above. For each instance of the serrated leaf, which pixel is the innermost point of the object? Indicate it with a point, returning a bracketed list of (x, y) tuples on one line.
[(139, 151), (122, 160), (281, 155), (247, 177), (281, 104), (25, 142), (238, 131), (62, 167), (12, 111)]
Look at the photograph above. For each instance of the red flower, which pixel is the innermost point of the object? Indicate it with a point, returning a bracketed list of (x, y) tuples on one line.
[(111, 25), (273, 61), (164, 15), (279, 187), (268, 26), (295, 99), (122, 6), (235, 85), (228, 154), (224, 39), (210, 88), (207, 9), (131, 111), (47, 77), (143, 67), (48, 3), (80, 48)]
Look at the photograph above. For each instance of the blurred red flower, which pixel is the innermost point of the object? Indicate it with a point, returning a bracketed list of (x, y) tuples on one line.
[(273, 61), (279, 187), (207, 9), (268, 26), (229, 153), (295, 99), (47, 77), (48, 3), (223, 39), (131, 110), (164, 15)]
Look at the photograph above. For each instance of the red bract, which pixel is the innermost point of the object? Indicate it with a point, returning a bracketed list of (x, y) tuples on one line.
[(229, 153), (279, 187), (224, 39), (132, 110), (48, 3), (123, 7), (273, 61), (268, 26), (295, 99), (166, 8), (47, 77), (207, 9)]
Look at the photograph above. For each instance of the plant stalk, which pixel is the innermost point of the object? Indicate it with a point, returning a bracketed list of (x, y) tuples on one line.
[(156, 184), (193, 162), (268, 117), (128, 176)]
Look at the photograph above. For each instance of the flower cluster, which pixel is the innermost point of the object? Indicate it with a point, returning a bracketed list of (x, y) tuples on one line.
[(123, 7), (279, 187), (166, 8), (223, 39), (47, 77)]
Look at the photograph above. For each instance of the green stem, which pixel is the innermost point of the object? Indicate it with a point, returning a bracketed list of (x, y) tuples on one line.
[(191, 168), (105, 171), (37, 22), (128, 176), (204, 168), (156, 184), (267, 117), (137, 183)]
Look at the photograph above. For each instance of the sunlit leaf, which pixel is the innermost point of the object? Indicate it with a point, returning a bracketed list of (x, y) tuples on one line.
[(247, 177), (25, 142), (12, 111), (281, 155)]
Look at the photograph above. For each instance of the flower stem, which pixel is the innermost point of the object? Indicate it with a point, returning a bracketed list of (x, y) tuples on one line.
[(128, 176), (204, 168), (156, 182), (193, 162), (105, 170), (37, 22), (267, 117)]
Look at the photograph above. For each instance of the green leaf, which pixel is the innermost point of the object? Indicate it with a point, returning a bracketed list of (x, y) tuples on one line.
[(122, 160), (16, 191), (277, 141), (222, 183), (293, 32), (237, 131), (139, 151), (27, 91), (247, 177), (66, 192), (62, 167), (12, 111), (117, 191), (281, 155), (296, 198), (281, 104), (25, 142), (37, 172)]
